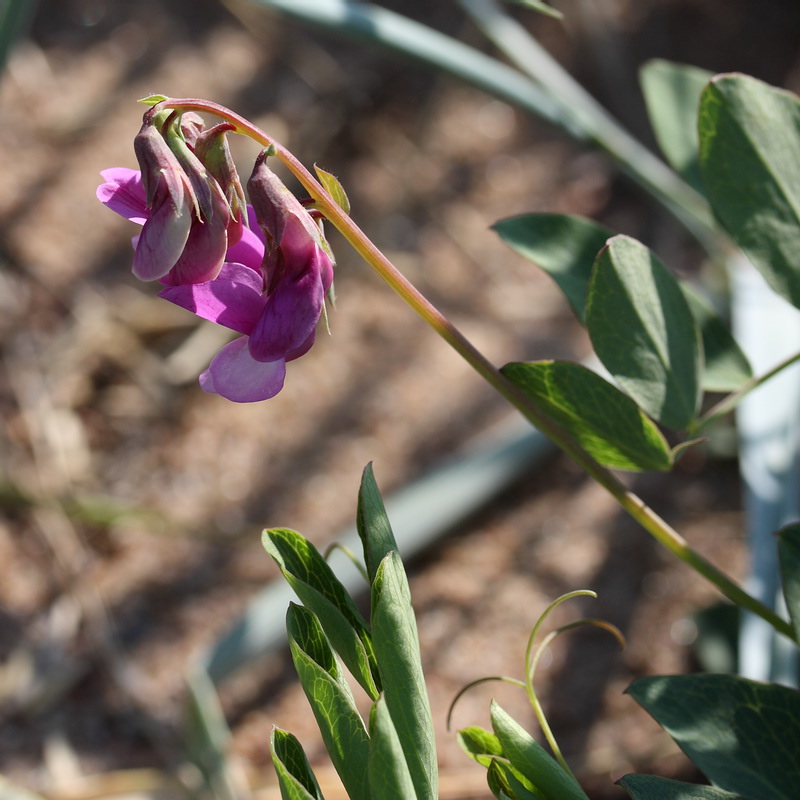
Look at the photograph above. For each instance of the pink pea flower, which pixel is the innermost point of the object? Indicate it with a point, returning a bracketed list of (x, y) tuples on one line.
[(271, 287), (276, 302)]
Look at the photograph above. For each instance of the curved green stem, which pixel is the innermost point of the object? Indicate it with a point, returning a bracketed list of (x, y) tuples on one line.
[(532, 658), (642, 513)]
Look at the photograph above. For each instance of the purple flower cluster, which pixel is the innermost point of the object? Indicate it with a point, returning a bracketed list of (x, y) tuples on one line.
[(264, 277)]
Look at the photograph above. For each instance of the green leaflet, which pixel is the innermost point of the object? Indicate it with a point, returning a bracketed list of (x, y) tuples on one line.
[(333, 188), (506, 782), (743, 735), (331, 700), (566, 246), (295, 776), (603, 420), (563, 245), (479, 744), (318, 588), (389, 776), (397, 650), (532, 760), (750, 161), (373, 525), (726, 367), (672, 93), (643, 331)]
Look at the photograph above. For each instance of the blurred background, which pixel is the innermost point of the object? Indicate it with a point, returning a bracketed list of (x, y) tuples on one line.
[(131, 503)]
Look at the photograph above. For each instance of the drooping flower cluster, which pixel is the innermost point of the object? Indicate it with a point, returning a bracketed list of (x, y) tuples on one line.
[(261, 270)]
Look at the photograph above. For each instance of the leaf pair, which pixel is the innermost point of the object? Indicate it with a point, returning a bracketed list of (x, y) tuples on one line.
[(392, 755), (649, 331), (518, 766), (743, 735), (733, 138)]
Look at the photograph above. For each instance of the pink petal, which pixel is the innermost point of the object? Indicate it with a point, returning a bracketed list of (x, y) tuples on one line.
[(162, 241), (123, 192), (235, 375), (303, 349), (290, 315), (249, 250), (203, 254), (233, 299)]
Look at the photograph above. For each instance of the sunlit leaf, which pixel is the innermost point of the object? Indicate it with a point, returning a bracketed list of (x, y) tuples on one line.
[(603, 420), (319, 589), (742, 734), (331, 700), (334, 188), (295, 775), (389, 776), (372, 522), (532, 760), (750, 161), (479, 744), (396, 644), (153, 99), (643, 331)]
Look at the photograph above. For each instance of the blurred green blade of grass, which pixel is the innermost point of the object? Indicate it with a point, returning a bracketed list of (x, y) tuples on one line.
[(386, 29)]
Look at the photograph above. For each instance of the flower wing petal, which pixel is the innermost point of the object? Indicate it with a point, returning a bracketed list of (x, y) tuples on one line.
[(162, 241), (237, 376), (234, 299), (203, 254), (290, 314), (123, 192), (249, 250)]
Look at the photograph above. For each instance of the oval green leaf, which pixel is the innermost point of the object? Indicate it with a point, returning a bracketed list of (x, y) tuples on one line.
[(643, 331), (750, 161), (743, 735), (649, 787), (563, 245), (726, 367), (672, 93), (603, 420)]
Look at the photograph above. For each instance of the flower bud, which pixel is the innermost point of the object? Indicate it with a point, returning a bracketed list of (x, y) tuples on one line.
[(293, 238), (192, 126), (184, 239), (211, 147), (168, 197)]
